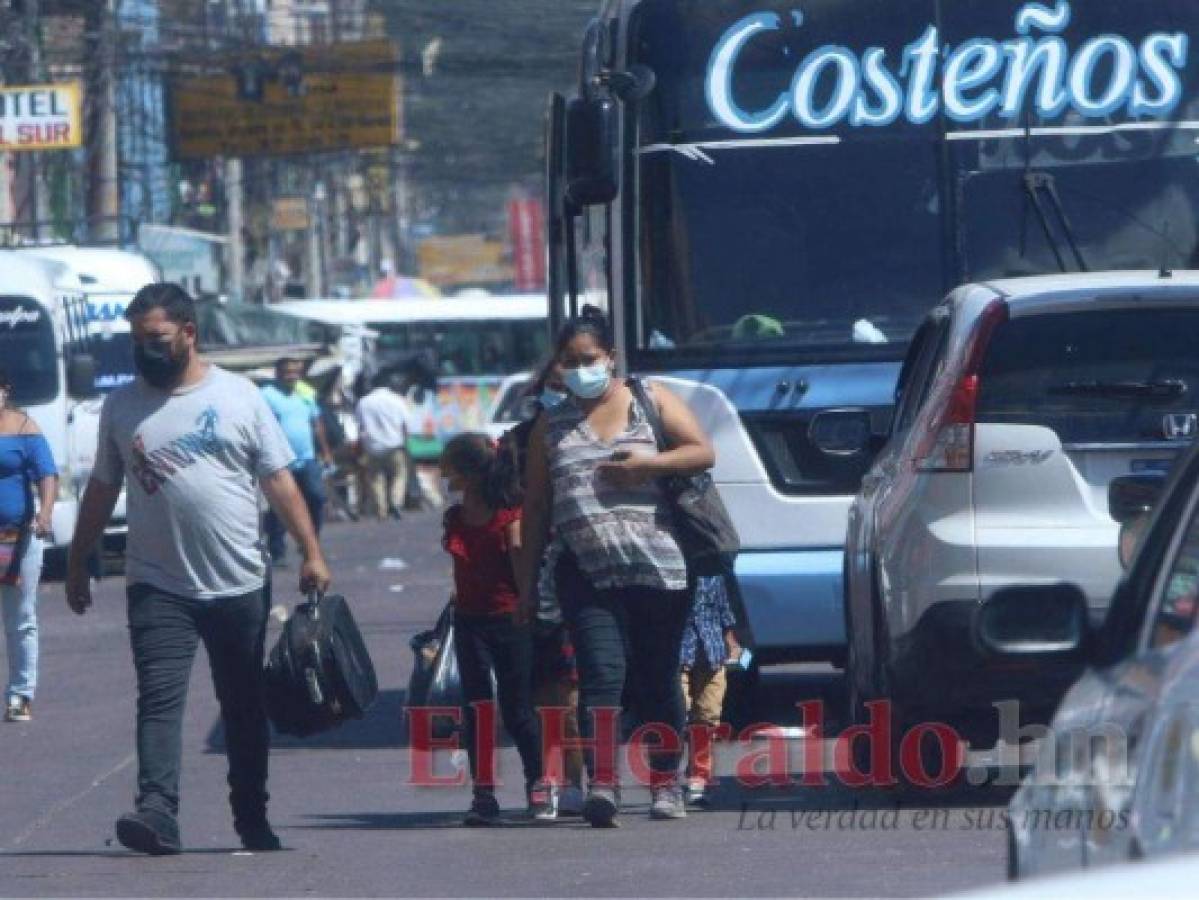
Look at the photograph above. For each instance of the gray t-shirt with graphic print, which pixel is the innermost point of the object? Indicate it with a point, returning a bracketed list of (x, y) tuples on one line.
[(192, 460)]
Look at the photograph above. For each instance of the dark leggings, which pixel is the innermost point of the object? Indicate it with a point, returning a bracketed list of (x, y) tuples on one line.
[(632, 633), (486, 644)]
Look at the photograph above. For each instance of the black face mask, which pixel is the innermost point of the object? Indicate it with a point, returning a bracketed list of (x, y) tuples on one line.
[(158, 363)]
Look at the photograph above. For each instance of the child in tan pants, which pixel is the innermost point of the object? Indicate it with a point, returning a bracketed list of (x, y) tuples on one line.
[(708, 643)]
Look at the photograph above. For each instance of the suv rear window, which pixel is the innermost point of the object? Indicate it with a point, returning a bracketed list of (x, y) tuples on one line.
[(1103, 376)]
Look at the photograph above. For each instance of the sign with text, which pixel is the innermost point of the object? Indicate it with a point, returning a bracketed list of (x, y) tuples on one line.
[(41, 117), (462, 259), (1054, 65), (289, 214), (287, 102)]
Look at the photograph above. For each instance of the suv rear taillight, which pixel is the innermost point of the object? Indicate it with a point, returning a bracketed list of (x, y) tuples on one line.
[(947, 444)]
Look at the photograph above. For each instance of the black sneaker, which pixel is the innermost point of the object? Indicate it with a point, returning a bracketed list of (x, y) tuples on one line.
[(484, 810), (601, 806), (258, 837), (149, 831)]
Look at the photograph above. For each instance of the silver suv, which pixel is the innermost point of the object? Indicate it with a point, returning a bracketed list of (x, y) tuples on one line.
[(1018, 403)]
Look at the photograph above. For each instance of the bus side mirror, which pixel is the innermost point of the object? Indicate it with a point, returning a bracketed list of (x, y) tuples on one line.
[(591, 125), (81, 376)]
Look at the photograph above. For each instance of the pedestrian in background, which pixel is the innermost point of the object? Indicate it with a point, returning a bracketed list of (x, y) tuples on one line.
[(26, 469), (593, 478), (555, 672), (193, 444), (383, 417), (708, 646), (341, 435), (299, 415), (482, 535)]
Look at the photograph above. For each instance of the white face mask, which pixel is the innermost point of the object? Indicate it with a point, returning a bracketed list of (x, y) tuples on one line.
[(589, 382)]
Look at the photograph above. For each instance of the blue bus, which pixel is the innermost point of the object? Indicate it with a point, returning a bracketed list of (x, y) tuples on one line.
[(767, 198)]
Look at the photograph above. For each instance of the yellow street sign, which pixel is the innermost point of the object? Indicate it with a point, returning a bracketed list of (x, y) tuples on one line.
[(349, 97), (41, 116), (462, 259), (289, 214)]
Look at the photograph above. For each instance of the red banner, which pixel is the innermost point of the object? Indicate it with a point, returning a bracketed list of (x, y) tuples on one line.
[(526, 229)]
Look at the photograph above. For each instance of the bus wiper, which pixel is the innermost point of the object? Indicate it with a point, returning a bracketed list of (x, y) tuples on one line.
[(1165, 389), (1041, 190)]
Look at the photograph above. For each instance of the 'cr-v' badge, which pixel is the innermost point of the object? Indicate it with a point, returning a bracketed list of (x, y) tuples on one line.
[(1180, 426)]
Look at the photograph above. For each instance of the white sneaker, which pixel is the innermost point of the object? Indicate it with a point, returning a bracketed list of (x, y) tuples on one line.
[(18, 709), (543, 801), (570, 801), (667, 802), (696, 795)]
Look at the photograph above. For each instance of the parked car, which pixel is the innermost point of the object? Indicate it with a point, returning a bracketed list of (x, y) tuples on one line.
[(1017, 405), (1117, 774), (1167, 879), (512, 405)]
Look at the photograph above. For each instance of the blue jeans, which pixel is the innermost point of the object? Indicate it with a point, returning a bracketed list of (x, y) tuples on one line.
[(311, 483), (20, 624)]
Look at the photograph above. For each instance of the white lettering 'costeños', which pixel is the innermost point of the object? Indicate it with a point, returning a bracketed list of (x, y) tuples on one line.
[(979, 78), (11, 318)]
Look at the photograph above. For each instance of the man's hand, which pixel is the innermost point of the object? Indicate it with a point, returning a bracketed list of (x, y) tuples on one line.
[(315, 575), (99, 500), (285, 499), (79, 589)]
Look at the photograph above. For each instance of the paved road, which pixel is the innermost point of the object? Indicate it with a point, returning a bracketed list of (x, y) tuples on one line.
[(354, 827)]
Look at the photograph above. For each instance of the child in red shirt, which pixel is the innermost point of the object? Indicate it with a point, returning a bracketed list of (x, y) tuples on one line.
[(482, 536)]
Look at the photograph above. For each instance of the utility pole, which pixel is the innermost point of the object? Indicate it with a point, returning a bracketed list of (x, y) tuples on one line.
[(235, 210), (106, 195), (316, 273), (37, 74), (401, 222)]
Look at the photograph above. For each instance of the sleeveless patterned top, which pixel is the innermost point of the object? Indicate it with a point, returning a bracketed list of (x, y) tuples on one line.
[(621, 537)]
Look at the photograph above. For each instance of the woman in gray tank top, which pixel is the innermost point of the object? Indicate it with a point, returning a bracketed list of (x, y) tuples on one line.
[(593, 475)]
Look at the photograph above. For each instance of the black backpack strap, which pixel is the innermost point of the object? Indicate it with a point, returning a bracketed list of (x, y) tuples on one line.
[(650, 408)]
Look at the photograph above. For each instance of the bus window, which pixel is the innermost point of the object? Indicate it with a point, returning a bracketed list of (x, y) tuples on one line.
[(469, 348), (27, 350)]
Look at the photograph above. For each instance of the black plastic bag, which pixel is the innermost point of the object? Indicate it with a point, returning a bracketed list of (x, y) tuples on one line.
[(435, 679)]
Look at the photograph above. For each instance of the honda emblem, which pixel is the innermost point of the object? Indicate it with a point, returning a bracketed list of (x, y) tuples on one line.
[(1180, 426)]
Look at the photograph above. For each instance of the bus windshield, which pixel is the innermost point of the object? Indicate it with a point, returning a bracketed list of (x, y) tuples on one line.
[(468, 348), (27, 351), (113, 352), (802, 183)]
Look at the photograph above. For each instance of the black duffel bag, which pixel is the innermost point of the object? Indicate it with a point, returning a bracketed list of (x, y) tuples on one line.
[(319, 673), (707, 535)]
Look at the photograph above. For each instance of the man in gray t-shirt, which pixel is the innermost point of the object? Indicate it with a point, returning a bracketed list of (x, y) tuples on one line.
[(193, 445), (192, 465)]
